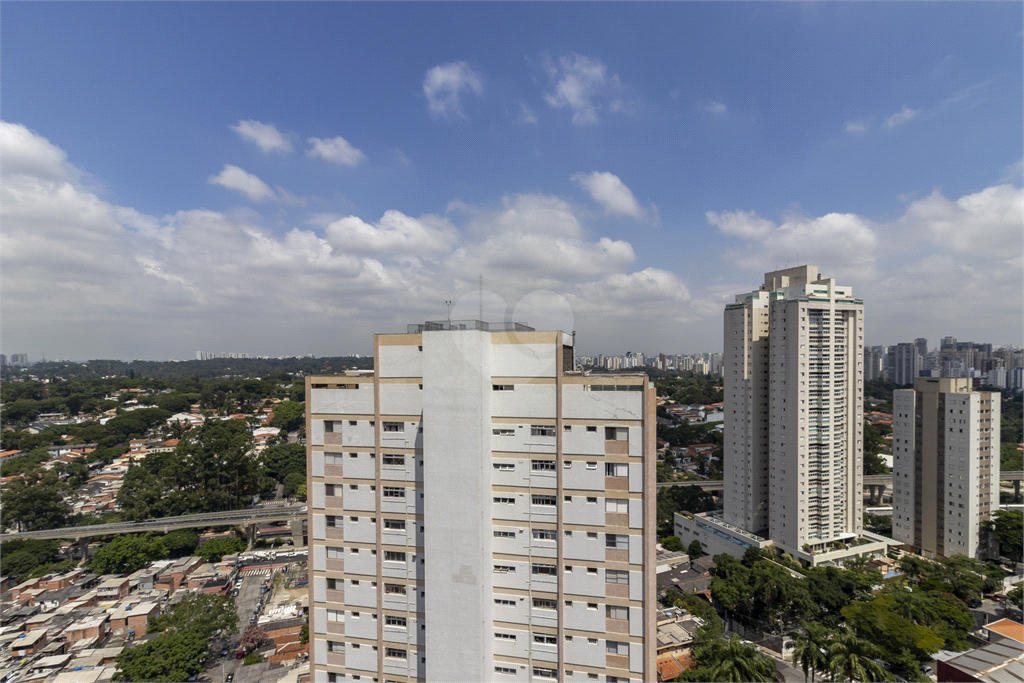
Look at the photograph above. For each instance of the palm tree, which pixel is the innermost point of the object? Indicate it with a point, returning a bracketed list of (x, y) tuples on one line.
[(734, 661), (851, 658), (810, 647)]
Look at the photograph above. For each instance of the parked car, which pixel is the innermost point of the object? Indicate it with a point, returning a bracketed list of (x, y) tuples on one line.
[(240, 654), (231, 677), (224, 651), (974, 603)]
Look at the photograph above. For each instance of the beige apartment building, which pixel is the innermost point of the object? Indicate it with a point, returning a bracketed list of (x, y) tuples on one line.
[(481, 512), (945, 465), (793, 366)]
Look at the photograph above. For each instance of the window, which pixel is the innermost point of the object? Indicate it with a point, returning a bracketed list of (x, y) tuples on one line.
[(391, 459), (332, 584), (616, 648), (334, 553), (592, 570), (395, 621), (616, 612), (544, 534), (328, 426), (503, 387), (566, 428), (591, 429), (335, 615), (619, 505), (335, 646), (591, 465), (543, 603), (542, 430), (616, 576), (394, 589), (395, 653), (504, 569), (504, 466), (504, 534), (394, 492), (547, 465), (351, 423), (394, 426), (504, 501), (567, 464), (353, 455), (541, 672), (504, 603), (333, 458), (394, 556), (592, 499), (543, 500), (334, 521), (503, 432), (353, 487), (618, 541), (548, 569), (331, 489), (616, 469), (545, 639), (504, 670), (505, 636), (394, 523)]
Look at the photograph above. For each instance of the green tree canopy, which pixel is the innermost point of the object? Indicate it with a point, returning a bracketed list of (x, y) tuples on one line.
[(208, 614), (169, 657), (289, 415), (34, 503), (127, 553), (214, 549), (280, 461)]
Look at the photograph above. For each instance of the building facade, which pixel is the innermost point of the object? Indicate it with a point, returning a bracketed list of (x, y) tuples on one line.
[(945, 465), (904, 363), (479, 512), (794, 392)]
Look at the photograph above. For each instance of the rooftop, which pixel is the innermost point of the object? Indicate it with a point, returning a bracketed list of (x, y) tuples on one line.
[(439, 325), (1008, 629)]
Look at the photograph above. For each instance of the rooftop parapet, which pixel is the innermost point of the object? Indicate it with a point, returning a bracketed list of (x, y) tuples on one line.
[(439, 325)]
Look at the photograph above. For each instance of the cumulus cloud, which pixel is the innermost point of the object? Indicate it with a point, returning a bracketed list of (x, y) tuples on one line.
[(987, 222), (395, 233), (234, 178), (265, 135), (445, 83), (580, 83), (900, 117), (526, 114), (335, 149), (611, 193)]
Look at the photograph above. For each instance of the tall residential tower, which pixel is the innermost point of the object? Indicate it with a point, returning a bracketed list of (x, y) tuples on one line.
[(480, 512)]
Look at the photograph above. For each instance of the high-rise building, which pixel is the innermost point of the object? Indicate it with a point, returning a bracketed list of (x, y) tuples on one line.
[(903, 364), (922, 347), (478, 511), (945, 465), (794, 383), (872, 363), (19, 359)]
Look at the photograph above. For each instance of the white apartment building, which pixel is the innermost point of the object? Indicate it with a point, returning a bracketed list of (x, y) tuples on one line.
[(794, 393), (945, 465), (479, 512)]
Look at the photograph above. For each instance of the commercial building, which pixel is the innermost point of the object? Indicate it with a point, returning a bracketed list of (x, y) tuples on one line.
[(481, 512), (945, 465), (794, 400), (904, 363)]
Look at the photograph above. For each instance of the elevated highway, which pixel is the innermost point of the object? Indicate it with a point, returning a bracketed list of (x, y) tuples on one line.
[(249, 518)]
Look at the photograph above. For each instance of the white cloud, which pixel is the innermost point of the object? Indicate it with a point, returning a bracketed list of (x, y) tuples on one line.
[(579, 83), (987, 222), (526, 114), (444, 84), (265, 135), (717, 108), (611, 193), (856, 127), (235, 178), (335, 149), (740, 224), (395, 233), (907, 114)]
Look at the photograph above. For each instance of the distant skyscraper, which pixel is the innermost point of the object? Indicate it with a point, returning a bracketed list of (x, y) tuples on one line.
[(19, 359), (947, 343), (794, 383), (872, 363), (945, 465), (922, 347), (480, 512), (903, 366)]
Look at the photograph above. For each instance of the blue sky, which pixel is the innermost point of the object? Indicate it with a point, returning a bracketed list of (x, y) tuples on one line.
[(289, 178)]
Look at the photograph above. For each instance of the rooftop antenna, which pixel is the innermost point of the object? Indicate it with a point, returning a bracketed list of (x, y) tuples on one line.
[(481, 298), (449, 304)]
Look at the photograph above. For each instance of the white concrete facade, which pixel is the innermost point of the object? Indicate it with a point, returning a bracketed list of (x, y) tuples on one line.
[(946, 442), (478, 514), (794, 383)]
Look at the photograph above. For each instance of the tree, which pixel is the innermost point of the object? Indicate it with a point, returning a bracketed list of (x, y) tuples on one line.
[(734, 660), (289, 415), (672, 499), (810, 648), (252, 658), (292, 482), (253, 636), (672, 544), (280, 461), (851, 658), (181, 542), (1009, 529), (168, 657), (873, 444), (127, 553), (693, 550), (34, 503), (214, 549), (20, 557), (205, 613)]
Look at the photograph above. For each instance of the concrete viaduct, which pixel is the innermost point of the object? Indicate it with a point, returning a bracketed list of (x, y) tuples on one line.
[(250, 519)]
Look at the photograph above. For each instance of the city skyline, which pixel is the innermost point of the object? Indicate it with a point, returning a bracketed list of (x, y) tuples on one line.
[(231, 186)]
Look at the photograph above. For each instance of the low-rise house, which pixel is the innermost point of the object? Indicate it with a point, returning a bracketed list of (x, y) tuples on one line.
[(134, 617), (29, 643), (1004, 630), (112, 588), (170, 578), (24, 586), (55, 581), (89, 627), (994, 663)]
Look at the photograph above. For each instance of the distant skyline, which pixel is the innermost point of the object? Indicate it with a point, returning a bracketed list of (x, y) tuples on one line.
[(287, 179)]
